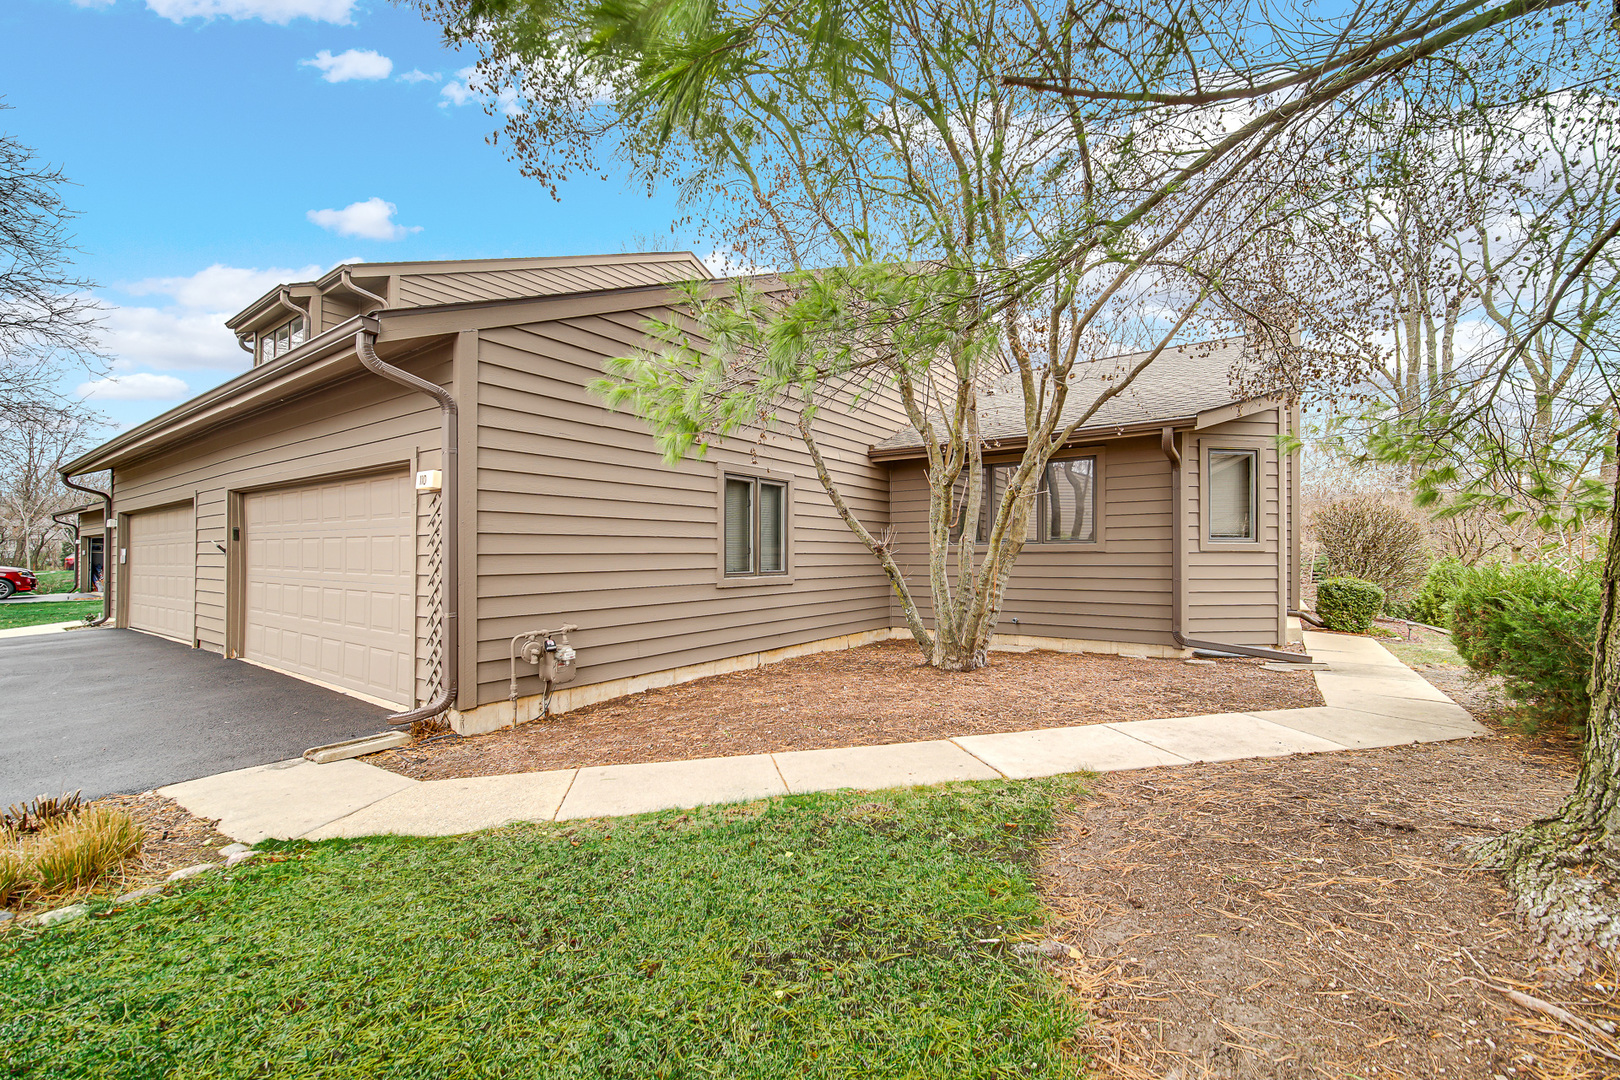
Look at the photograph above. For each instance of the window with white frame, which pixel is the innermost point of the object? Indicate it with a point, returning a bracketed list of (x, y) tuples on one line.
[(1065, 510), (283, 339), (1232, 494), (755, 526)]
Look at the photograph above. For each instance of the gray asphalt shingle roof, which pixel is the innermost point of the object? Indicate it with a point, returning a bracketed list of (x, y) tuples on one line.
[(1182, 382)]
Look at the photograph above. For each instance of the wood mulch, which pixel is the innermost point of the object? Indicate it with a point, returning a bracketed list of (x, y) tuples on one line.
[(874, 694), (1320, 917)]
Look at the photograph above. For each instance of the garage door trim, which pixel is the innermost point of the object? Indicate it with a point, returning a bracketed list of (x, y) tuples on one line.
[(124, 579), (324, 575)]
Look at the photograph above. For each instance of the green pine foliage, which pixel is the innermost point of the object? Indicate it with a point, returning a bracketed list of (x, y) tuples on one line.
[(1432, 602), (1348, 604), (1533, 625)]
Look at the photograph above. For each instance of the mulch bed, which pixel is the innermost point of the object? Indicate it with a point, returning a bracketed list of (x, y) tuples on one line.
[(1320, 917), (174, 838), (871, 695)]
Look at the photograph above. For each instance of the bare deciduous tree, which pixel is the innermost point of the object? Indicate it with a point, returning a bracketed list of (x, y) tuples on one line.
[(47, 317), (32, 452), (972, 191)]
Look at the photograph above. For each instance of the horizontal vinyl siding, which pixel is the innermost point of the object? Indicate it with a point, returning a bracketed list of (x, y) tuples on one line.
[(1119, 592), (1231, 589), (362, 421), (580, 521), (460, 286)]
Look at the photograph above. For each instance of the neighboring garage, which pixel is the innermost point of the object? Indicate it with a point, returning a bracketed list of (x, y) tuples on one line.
[(331, 582), (162, 559)]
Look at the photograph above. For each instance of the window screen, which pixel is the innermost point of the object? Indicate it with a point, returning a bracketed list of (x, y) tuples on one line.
[(1070, 500), (772, 539), (756, 526), (1065, 509), (739, 526), (1231, 494)]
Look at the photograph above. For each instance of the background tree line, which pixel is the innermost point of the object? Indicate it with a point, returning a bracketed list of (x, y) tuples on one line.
[(47, 327)]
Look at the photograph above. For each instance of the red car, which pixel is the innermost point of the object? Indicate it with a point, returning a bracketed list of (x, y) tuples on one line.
[(15, 580)]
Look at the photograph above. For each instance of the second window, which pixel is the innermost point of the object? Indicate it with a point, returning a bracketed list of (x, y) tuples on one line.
[(756, 526), (1065, 510)]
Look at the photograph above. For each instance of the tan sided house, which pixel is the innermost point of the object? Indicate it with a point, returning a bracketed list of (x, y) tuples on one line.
[(412, 489)]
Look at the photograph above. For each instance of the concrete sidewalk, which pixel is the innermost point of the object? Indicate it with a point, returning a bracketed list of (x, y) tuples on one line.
[(40, 628), (51, 598), (1372, 699)]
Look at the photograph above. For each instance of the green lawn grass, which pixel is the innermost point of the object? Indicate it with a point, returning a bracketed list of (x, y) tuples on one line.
[(14, 614), (54, 581), (848, 935), (1437, 650)]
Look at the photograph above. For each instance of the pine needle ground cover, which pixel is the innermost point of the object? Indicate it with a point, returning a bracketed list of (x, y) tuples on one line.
[(820, 936)]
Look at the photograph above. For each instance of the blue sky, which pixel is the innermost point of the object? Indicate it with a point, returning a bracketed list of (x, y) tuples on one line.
[(207, 137)]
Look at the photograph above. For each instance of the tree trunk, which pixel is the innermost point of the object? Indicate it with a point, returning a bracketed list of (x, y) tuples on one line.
[(1564, 869)]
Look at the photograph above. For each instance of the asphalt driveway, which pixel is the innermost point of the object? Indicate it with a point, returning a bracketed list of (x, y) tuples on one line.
[(119, 711)]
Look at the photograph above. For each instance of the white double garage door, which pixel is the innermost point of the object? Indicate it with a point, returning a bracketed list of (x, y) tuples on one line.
[(328, 580)]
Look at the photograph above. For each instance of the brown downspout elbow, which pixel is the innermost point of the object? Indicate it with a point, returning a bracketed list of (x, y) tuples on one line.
[(1178, 534), (365, 348), (348, 283), (107, 560)]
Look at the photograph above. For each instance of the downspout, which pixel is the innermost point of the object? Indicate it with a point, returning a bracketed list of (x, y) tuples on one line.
[(348, 283), (107, 560), (1178, 535), (450, 580)]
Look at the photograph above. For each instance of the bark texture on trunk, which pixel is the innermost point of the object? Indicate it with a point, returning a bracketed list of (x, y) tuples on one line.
[(1564, 870)]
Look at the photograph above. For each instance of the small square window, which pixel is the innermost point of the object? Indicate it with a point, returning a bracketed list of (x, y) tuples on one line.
[(755, 526), (1232, 490)]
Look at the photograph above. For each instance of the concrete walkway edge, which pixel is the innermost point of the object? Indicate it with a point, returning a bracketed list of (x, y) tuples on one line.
[(1371, 699)]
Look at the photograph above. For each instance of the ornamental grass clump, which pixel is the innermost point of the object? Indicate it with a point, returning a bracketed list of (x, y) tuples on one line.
[(1348, 604), (66, 853)]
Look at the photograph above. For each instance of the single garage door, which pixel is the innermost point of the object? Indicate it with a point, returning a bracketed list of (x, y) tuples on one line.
[(331, 582), (161, 565)]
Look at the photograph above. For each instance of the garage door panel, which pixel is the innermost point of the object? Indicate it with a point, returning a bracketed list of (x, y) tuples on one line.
[(325, 579), (161, 572)]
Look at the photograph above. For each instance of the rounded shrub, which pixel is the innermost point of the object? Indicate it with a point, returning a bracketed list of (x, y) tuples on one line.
[(1367, 538), (1432, 602), (1533, 626), (1348, 604)]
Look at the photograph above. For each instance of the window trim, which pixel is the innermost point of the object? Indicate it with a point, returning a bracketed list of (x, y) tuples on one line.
[(1099, 540), (754, 579), (1256, 446)]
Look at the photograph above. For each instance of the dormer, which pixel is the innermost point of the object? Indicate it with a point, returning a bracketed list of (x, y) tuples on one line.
[(289, 315)]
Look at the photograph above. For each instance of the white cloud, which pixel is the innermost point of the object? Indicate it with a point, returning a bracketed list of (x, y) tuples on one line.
[(190, 333), (221, 288), (461, 90), (280, 12), (417, 75), (139, 386), (93, 3), (170, 338), (350, 65), (372, 219)]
